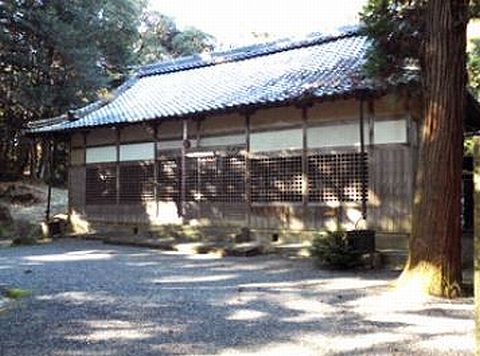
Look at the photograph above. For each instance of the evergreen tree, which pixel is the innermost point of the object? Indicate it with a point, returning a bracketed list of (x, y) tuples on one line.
[(58, 55), (430, 35)]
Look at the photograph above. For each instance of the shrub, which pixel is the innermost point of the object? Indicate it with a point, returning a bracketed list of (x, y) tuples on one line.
[(25, 233), (5, 232), (16, 293), (332, 249)]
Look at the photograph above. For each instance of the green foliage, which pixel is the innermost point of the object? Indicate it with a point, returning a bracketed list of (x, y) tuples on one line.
[(5, 232), (161, 39), (58, 55), (468, 146), (473, 67), (17, 293), (332, 250), (396, 30), (25, 233)]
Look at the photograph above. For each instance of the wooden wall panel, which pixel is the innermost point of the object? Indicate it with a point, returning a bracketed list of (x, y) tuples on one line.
[(101, 136), (136, 133), (77, 139), (221, 214), (277, 217), (333, 111), (276, 117), (76, 183), (77, 156), (391, 188), (171, 129), (222, 124)]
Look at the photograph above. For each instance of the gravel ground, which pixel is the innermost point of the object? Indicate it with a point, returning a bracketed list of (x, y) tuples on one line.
[(92, 299)]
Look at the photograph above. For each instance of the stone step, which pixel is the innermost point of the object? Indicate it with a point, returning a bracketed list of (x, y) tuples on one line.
[(394, 259)]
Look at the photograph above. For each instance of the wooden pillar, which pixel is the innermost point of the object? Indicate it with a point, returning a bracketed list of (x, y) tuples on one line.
[(304, 165), (84, 171), (371, 124), (117, 165), (69, 175), (155, 168), (371, 158), (248, 193), (183, 183), (50, 163), (199, 166), (362, 151)]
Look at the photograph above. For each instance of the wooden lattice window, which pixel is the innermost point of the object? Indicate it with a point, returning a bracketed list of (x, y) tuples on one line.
[(136, 183), (192, 192), (216, 179), (233, 179), (337, 177), (168, 188), (276, 179), (100, 185)]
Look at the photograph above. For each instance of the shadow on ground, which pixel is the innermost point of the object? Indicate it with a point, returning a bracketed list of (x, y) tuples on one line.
[(92, 299)]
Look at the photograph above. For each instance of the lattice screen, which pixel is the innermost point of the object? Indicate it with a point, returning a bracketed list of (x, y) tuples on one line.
[(337, 177), (168, 188), (233, 179), (216, 179), (276, 179), (100, 185), (136, 183)]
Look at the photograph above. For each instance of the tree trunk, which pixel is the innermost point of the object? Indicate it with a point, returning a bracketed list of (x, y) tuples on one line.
[(434, 263), (476, 257)]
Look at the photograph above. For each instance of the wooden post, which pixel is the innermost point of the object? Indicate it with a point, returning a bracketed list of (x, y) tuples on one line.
[(362, 151), (117, 166), (248, 195), (371, 124), (199, 167), (69, 174), (183, 184), (155, 168), (51, 153), (304, 165), (476, 257), (84, 171)]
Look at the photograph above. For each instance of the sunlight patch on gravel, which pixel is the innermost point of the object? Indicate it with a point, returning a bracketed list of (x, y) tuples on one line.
[(71, 256), (78, 297), (246, 314), (105, 330)]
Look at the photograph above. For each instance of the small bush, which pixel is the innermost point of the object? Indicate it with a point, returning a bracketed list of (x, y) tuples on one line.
[(331, 249), (16, 293), (25, 233), (5, 232)]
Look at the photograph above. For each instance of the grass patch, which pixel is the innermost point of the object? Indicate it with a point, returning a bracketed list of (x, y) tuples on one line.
[(17, 293)]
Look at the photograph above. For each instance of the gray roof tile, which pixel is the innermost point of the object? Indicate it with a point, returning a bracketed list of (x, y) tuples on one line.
[(267, 74)]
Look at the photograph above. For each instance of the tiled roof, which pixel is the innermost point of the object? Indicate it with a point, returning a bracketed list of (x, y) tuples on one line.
[(266, 74)]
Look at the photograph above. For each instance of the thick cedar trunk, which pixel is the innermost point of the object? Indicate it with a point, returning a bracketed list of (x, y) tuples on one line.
[(476, 282), (434, 259)]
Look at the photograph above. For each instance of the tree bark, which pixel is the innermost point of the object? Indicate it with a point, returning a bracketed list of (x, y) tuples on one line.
[(434, 262), (476, 281)]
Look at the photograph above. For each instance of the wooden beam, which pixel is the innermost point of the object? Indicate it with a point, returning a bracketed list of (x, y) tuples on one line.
[(51, 152), (69, 174), (362, 151), (117, 166), (304, 164), (183, 184), (371, 123), (248, 193), (155, 167), (197, 145)]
